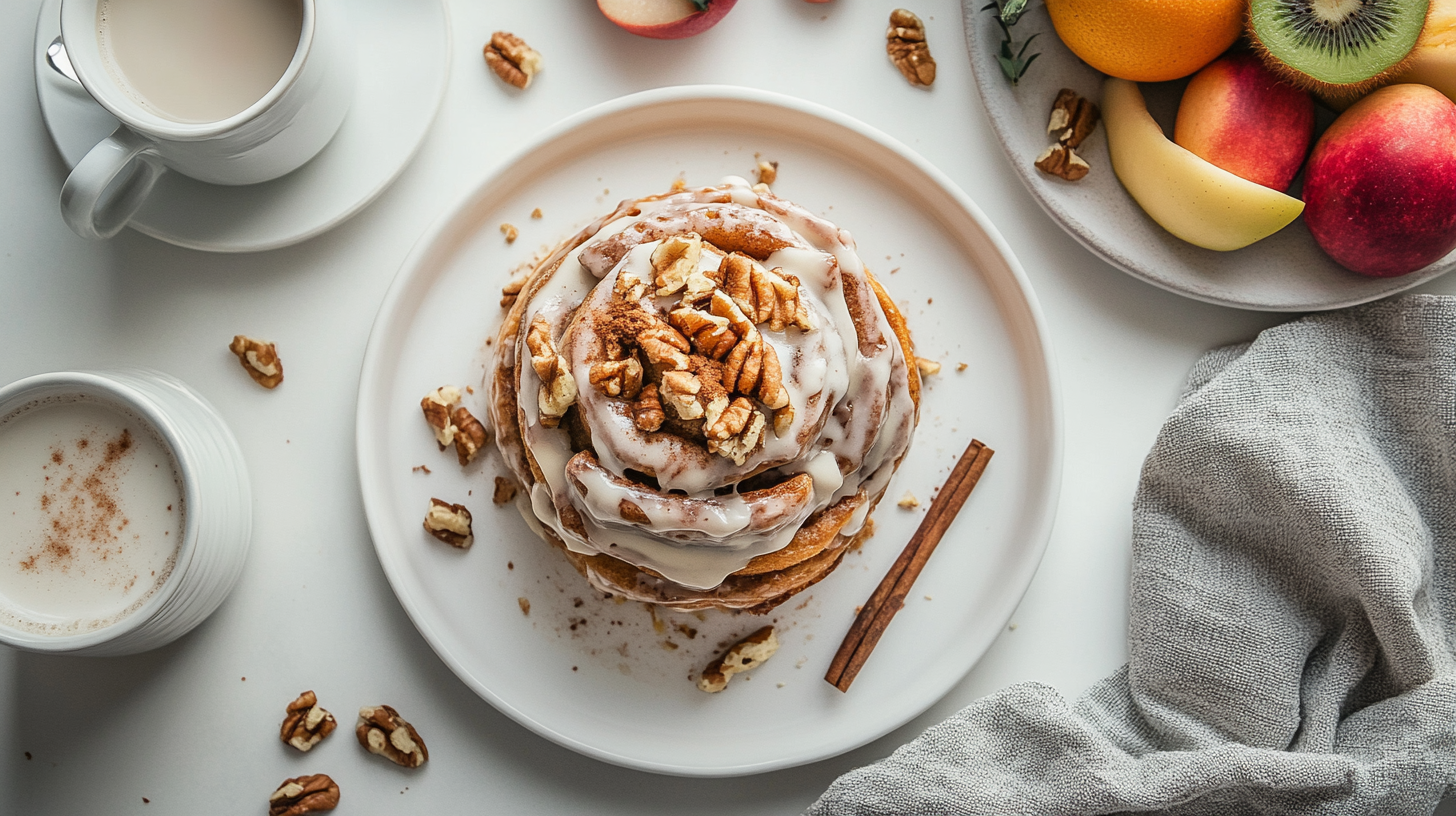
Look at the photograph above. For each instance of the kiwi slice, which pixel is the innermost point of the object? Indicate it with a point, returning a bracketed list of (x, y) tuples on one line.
[(1336, 48)]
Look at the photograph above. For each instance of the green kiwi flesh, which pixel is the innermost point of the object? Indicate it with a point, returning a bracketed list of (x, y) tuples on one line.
[(1336, 48)]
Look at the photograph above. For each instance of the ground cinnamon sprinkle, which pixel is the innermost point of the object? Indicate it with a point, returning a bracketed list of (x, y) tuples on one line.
[(83, 511)]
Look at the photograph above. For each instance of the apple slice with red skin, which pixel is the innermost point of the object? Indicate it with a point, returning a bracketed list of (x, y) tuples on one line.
[(665, 19)]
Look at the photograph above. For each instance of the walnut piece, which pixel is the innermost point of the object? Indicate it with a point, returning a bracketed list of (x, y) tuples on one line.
[(768, 172), (450, 523), (436, 406), (511, 59), (674, 260), (304, 794), (1062, 162), (505, 490), (905, 43), (680, 391), (746, 654), (306, 723), (617, 378), (382, 731), (647, 410), (259, 358), (1073, 118), (470, 435), (558, 389)]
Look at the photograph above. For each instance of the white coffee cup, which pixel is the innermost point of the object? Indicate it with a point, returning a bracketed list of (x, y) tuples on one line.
[(271, 137), (209, 480)]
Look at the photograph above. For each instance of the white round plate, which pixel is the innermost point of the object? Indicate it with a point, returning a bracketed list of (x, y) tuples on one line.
[(611, 680), (1286, 272), (402, 48)]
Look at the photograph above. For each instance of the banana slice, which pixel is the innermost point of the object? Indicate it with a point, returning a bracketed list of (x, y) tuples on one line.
[(1197, 201)]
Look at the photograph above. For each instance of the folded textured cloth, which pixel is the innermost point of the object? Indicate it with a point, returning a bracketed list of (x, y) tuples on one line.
[(1293, 604)]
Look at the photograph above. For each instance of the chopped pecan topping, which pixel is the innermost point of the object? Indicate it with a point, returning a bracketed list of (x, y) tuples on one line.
[(558, 389), (647, 410), (617, 378), (743, 441), (306, 722), (905, 43), (1073, 118), (674, 260), (746, 654), (259, 358), (511, 59), (505, 490), (304, 794), (382, 731), (665, 347), (730, 422), (709, 334), (450, 523), (436, 405), (1062, 162), (680, 391), (470, 435)]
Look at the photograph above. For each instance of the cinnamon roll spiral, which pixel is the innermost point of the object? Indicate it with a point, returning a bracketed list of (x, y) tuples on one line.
[(705, 394)]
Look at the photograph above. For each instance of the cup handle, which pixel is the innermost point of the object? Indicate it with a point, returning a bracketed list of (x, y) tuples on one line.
[(108, 185)]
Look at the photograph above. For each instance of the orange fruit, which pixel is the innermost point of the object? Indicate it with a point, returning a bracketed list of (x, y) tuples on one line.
[(1148, 40)]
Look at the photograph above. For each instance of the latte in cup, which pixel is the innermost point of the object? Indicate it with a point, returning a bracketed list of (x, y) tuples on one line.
[(197, 61), (91, 515)]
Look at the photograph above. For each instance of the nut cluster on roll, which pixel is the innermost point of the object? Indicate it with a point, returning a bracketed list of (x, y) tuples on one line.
[(705, 393)]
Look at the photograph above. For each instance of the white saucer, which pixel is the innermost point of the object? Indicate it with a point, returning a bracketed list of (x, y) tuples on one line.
[(403, 53)]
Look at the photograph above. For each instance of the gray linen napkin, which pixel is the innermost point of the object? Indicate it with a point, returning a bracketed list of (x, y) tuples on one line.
[(1293, 604)]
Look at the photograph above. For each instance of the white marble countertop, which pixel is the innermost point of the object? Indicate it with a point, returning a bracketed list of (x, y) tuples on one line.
[(181, 727)]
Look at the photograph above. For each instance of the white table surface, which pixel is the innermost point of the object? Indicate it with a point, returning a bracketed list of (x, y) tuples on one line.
[(181, 727)]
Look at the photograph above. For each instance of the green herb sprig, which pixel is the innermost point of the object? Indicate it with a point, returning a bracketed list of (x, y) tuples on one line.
[(701, 4), (1013, 62)]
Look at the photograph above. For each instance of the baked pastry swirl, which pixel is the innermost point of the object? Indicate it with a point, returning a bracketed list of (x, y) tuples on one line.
[(705, 394)]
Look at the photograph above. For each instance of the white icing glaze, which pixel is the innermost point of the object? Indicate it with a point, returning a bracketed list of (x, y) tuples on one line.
[(859, 392)]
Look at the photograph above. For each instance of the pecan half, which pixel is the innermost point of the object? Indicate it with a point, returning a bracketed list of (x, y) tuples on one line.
[(617, 378), (558, 389), (674, 260), (470, 435), (259, 358), (451, 523), (511, 59), (436, 406), (382, 731), (1062, 162), (709, 334), (505, 490), (306, 722), (1073, 118), (905, 43), (746, 654), (647, 410), (680, 391), (304, 794), (741, 442), (665, 347)]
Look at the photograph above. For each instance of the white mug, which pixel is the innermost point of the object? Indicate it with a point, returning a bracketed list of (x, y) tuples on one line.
[(275, 135)]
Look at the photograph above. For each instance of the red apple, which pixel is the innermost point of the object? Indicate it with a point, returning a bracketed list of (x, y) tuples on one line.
[(1380, 188), (665, 19), (1238, 115)]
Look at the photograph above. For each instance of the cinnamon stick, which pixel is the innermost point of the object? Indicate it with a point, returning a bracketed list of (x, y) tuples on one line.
[(875, 616)]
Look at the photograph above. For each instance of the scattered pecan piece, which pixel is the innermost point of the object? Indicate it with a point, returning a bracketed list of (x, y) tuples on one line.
[(1073, 118), (617, 378), (511, 59), (674, 259), (558, 389), (510, 232), (450, 523), (768, 172), (905, 43), (1062, 162), (304, 794), (306, 722), (436, 406), (746, 654), (470, 435), (908, 501), (259, 358), (510, 292), (505, 490), (647, 410), (382, 731), (927, 367)]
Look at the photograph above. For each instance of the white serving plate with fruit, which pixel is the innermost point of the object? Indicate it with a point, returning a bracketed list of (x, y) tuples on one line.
[(1286, 271)]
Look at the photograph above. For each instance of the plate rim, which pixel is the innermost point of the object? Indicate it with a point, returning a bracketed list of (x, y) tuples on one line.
[(368, 414), (971, 14)]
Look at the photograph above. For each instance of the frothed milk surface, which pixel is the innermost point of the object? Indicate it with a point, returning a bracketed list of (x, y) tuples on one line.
[(198, 61), (91, 515)]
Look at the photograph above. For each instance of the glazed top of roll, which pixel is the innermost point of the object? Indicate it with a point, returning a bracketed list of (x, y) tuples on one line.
[(700, 372)]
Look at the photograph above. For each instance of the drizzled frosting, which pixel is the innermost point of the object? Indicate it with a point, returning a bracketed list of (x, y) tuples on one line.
[(664, 501)]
